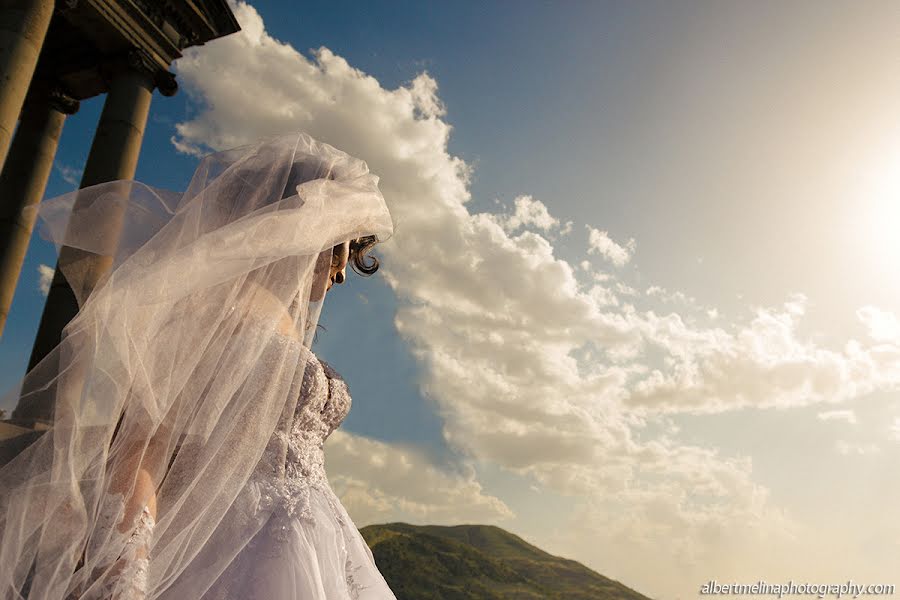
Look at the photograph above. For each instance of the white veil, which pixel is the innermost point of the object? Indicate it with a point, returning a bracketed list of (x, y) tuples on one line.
[(174, 364)]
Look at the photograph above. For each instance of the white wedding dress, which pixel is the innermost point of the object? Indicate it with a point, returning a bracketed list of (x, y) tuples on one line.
[(309, 549), (172, 375)]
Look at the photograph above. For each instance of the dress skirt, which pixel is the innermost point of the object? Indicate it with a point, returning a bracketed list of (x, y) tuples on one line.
[(321, 556)]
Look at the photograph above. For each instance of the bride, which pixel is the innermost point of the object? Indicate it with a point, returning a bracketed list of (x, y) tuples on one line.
[(185, 459)]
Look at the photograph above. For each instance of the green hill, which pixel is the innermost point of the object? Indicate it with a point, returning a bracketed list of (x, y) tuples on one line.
[(465, 562)]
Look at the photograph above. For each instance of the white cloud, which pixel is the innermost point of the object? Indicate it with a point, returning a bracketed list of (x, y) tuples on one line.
[(70, 175), (600, 243), (677, 297), (679, 498), (425, 98), (528, 212), (848, 416), (45, 274), (531, 371), (882, 326), (855, 448), (763, 363), (625, 289), (379, 482)]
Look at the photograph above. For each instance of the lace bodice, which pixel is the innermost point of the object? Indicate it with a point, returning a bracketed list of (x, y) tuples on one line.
[(294, 460), (323, 403)]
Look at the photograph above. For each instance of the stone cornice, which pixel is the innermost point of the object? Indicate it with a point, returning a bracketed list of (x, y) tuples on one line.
[(91, 40), (140, 61)]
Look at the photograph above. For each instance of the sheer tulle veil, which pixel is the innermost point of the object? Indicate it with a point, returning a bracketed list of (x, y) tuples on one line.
[(172, 363)]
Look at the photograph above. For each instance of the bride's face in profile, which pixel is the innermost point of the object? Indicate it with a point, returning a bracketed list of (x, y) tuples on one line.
[(340, 255)]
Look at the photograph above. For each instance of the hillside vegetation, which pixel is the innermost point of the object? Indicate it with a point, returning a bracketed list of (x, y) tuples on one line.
[(465, 562)]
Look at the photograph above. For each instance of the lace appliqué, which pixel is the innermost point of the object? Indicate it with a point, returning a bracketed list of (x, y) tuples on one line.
[(353, 587), (323, 403), (131, 583), (127, 575)]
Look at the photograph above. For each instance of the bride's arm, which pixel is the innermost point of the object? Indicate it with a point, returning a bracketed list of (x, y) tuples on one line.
[(142, 461), (261, 301), (143, 494), (133, 476), (137, 470)]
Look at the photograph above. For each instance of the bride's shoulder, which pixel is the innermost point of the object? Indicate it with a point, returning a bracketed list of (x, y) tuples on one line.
[(313, 359), (307, 355), (330, 373)]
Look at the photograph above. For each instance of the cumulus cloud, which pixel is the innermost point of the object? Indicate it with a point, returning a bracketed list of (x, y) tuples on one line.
[(677, 297), (530, 212), (882, 326), (532, 370), (379, 482), (762, 363), (678, 497), (45, 278), (600, 243)]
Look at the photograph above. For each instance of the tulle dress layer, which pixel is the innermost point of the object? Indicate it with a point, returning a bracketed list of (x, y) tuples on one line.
[(309, 548), (170, 378)]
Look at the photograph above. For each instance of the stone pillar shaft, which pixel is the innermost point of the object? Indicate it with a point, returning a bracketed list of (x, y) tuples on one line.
[(22, 184), (114, 155), (117, 141), (23, 27)]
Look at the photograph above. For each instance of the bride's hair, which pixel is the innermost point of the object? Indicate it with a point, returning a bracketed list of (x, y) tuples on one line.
[(359, 249)]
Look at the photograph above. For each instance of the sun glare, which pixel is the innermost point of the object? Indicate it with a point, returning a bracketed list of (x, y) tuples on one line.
[(881, 223)]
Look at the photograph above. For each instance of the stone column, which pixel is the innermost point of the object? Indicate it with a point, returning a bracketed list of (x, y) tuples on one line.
[(114, 155), (24, 179), (23, 27)]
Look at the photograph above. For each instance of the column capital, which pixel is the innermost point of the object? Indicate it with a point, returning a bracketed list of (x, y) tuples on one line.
[(63, 102), (138, 60), (44, 93)]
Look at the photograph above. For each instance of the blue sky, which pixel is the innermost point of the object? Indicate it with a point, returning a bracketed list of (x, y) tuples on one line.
[(641, 304)]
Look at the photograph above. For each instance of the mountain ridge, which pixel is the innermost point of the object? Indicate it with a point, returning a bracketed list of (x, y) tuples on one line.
[(484, 562)]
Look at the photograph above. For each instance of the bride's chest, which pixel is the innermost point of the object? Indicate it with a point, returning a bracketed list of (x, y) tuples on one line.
[(323, 401)]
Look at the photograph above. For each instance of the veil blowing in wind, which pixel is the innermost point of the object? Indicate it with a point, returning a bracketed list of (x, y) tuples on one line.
[(184, 457)]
